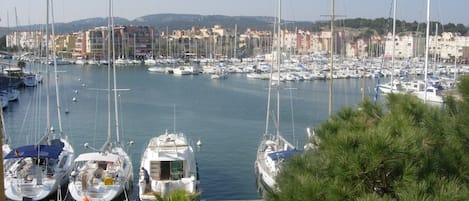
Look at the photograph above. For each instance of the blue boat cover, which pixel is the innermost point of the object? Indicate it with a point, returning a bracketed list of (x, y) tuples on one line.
[(283, 154), (36, 151)]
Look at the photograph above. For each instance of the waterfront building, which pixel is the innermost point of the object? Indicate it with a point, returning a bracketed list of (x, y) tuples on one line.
[(406, 45), (25, 40), (448, 46)]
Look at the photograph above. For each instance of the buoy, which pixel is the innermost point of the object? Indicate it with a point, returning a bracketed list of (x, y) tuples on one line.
[(83, 85), (199, 143), (66, 111), (76, 91), (74, 99)]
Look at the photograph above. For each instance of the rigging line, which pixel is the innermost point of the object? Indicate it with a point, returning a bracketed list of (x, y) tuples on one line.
[(28, 110), (116, 111), (48, 74), (120, 116), (54, 55), (378, 77), (96, 119), (269, 97), (292, 114)]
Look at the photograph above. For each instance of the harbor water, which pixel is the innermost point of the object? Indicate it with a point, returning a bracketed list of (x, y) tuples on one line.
[(227, 116)]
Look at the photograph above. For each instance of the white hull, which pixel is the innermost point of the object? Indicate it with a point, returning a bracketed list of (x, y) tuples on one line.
[(182, 71), (101, 176), (171, 164), (270, 156), (30, 80), (27, 178), (156, 69)]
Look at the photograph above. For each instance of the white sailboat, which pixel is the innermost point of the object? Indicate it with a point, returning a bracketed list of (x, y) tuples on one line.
[(429, 93), (168, 163), (105, 174), (274, 149), (39, 170)]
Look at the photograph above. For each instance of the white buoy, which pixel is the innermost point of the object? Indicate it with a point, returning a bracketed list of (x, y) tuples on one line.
[(76, 91), (199, 143), (52, 129), (66, 111), (83, 85), (79, 79), (74, 99)]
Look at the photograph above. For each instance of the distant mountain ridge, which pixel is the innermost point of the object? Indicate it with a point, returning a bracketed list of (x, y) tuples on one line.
[(169, 21), (186, 21)]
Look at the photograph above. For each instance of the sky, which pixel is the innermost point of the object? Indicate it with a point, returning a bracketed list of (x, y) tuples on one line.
[(33, 11)]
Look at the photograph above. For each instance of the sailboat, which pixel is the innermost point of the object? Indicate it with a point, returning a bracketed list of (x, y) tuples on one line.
[(394, 85), (107, 173), (274, 149), (39, 170), (429, 93)]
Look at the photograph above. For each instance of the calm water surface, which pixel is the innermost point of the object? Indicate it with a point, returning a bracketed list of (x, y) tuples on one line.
[(228, 116)]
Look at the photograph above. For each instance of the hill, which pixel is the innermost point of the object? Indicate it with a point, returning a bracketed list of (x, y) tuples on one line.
[(187, 21)]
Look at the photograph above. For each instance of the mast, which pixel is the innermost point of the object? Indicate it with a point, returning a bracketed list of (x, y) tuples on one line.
[(427, 36), (54, 56), (331, 83), (393, 42), (436, 45), (278, 63), (235, 40), (2, 181), (106, 146), (116, 111), (48, 75)]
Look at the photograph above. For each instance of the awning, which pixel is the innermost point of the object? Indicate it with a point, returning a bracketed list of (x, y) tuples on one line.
[(36, 151), (283, 154)]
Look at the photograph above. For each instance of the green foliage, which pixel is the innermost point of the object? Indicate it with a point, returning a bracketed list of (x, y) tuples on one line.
[(21, 64), (3, 42), (178, 195), (410, 151)]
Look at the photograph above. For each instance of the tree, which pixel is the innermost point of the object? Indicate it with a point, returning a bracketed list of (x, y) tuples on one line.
[(410, 151), (21, 64), (3, 42)]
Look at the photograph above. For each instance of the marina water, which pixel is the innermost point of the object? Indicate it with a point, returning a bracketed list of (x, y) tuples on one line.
[(227, 116)]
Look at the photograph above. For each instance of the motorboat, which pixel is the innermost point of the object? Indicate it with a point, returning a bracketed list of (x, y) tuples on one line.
[(168, 163)]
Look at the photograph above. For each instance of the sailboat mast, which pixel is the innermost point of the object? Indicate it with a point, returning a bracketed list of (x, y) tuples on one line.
[(109, 63), (116, 111), (393, 42), (427, 36), (278, 61), (47, 74), (54, 56), (235, 40), (331, 83), (2, 181)]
